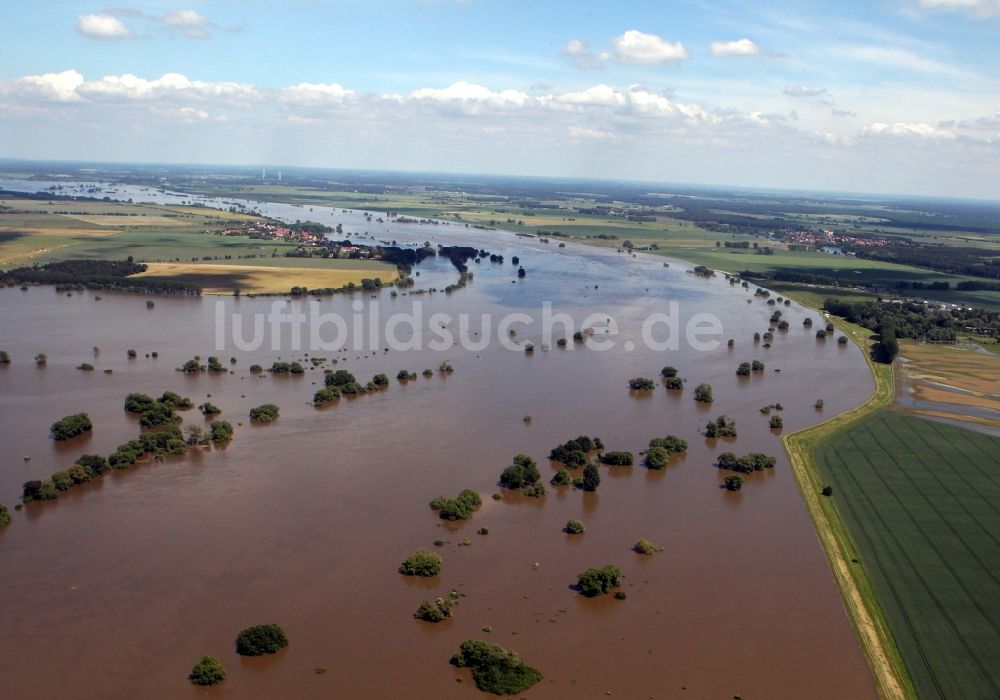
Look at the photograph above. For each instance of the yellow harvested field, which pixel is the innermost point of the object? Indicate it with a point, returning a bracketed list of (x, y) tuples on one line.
[(260, 279)]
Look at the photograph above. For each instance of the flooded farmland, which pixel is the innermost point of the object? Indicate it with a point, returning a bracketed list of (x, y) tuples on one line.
[(117, 587)]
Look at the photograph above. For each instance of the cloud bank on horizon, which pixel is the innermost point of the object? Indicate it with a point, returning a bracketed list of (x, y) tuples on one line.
[(894, 99)]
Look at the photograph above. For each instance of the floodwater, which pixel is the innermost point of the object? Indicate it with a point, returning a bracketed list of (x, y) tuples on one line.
[(117, 588)]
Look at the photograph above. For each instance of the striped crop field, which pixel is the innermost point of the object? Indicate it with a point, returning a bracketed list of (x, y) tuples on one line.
[(921, 501)]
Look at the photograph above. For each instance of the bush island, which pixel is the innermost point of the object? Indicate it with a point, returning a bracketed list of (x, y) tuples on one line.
[(644, 546), (617, 459), (208, 671), (573, 453), (723, 426), (599, 581), (421, 563), (71, 426), (521, 474), (753, 462), (261, 639), (264, 413), (436, 610), (733, 482), (495, 669), (459, 508)]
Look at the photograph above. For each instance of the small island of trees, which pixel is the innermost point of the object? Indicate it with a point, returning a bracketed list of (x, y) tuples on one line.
[(574, 527), (523, 475), (495, 669), (733, 482), (438, 609), (264, 413), (591, 477), (645, 547), (641, 384), (71, 426), (421, 563), (617, 459), (573, 453), (723, 426), (662, 449), (4, 516), (703, 393), (753, 462), (599, 581), (459, 508), (260, 640), (208, 671)]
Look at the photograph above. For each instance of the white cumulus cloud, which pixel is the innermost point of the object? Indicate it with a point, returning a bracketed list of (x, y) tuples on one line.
[(738, 47), (189, 23), (104, 27), (638, 47), (316, 94), (906, 129)]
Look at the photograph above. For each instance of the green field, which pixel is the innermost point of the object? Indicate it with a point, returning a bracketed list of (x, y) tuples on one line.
[(919, 499)]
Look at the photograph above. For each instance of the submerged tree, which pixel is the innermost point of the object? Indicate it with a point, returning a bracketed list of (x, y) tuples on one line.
[(261, 639), (703, 393), (71, 426), (208, 671), (495, 669), (599, 581), (421, 563)]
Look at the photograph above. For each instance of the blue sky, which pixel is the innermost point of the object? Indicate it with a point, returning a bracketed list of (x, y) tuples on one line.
[(884, 96)]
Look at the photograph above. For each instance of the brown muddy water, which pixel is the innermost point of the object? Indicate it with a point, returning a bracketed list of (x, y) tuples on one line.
[(117, 588)]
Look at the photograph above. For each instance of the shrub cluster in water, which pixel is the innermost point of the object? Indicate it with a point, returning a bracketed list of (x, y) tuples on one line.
[(342, 382), (723, 426), (753, 462), (208, 671), (438, 609), (598, 581), (459, 508), (194, 365), (156, 412), (574, 527), (261, 639), (4, 515), (617, 459), (523, 476), (641, 384), (495, 669), (644, 546), (662, 449), (421, 563), (573, 453), (71, 426), (287, 368), (264, 414), (703, 393)]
